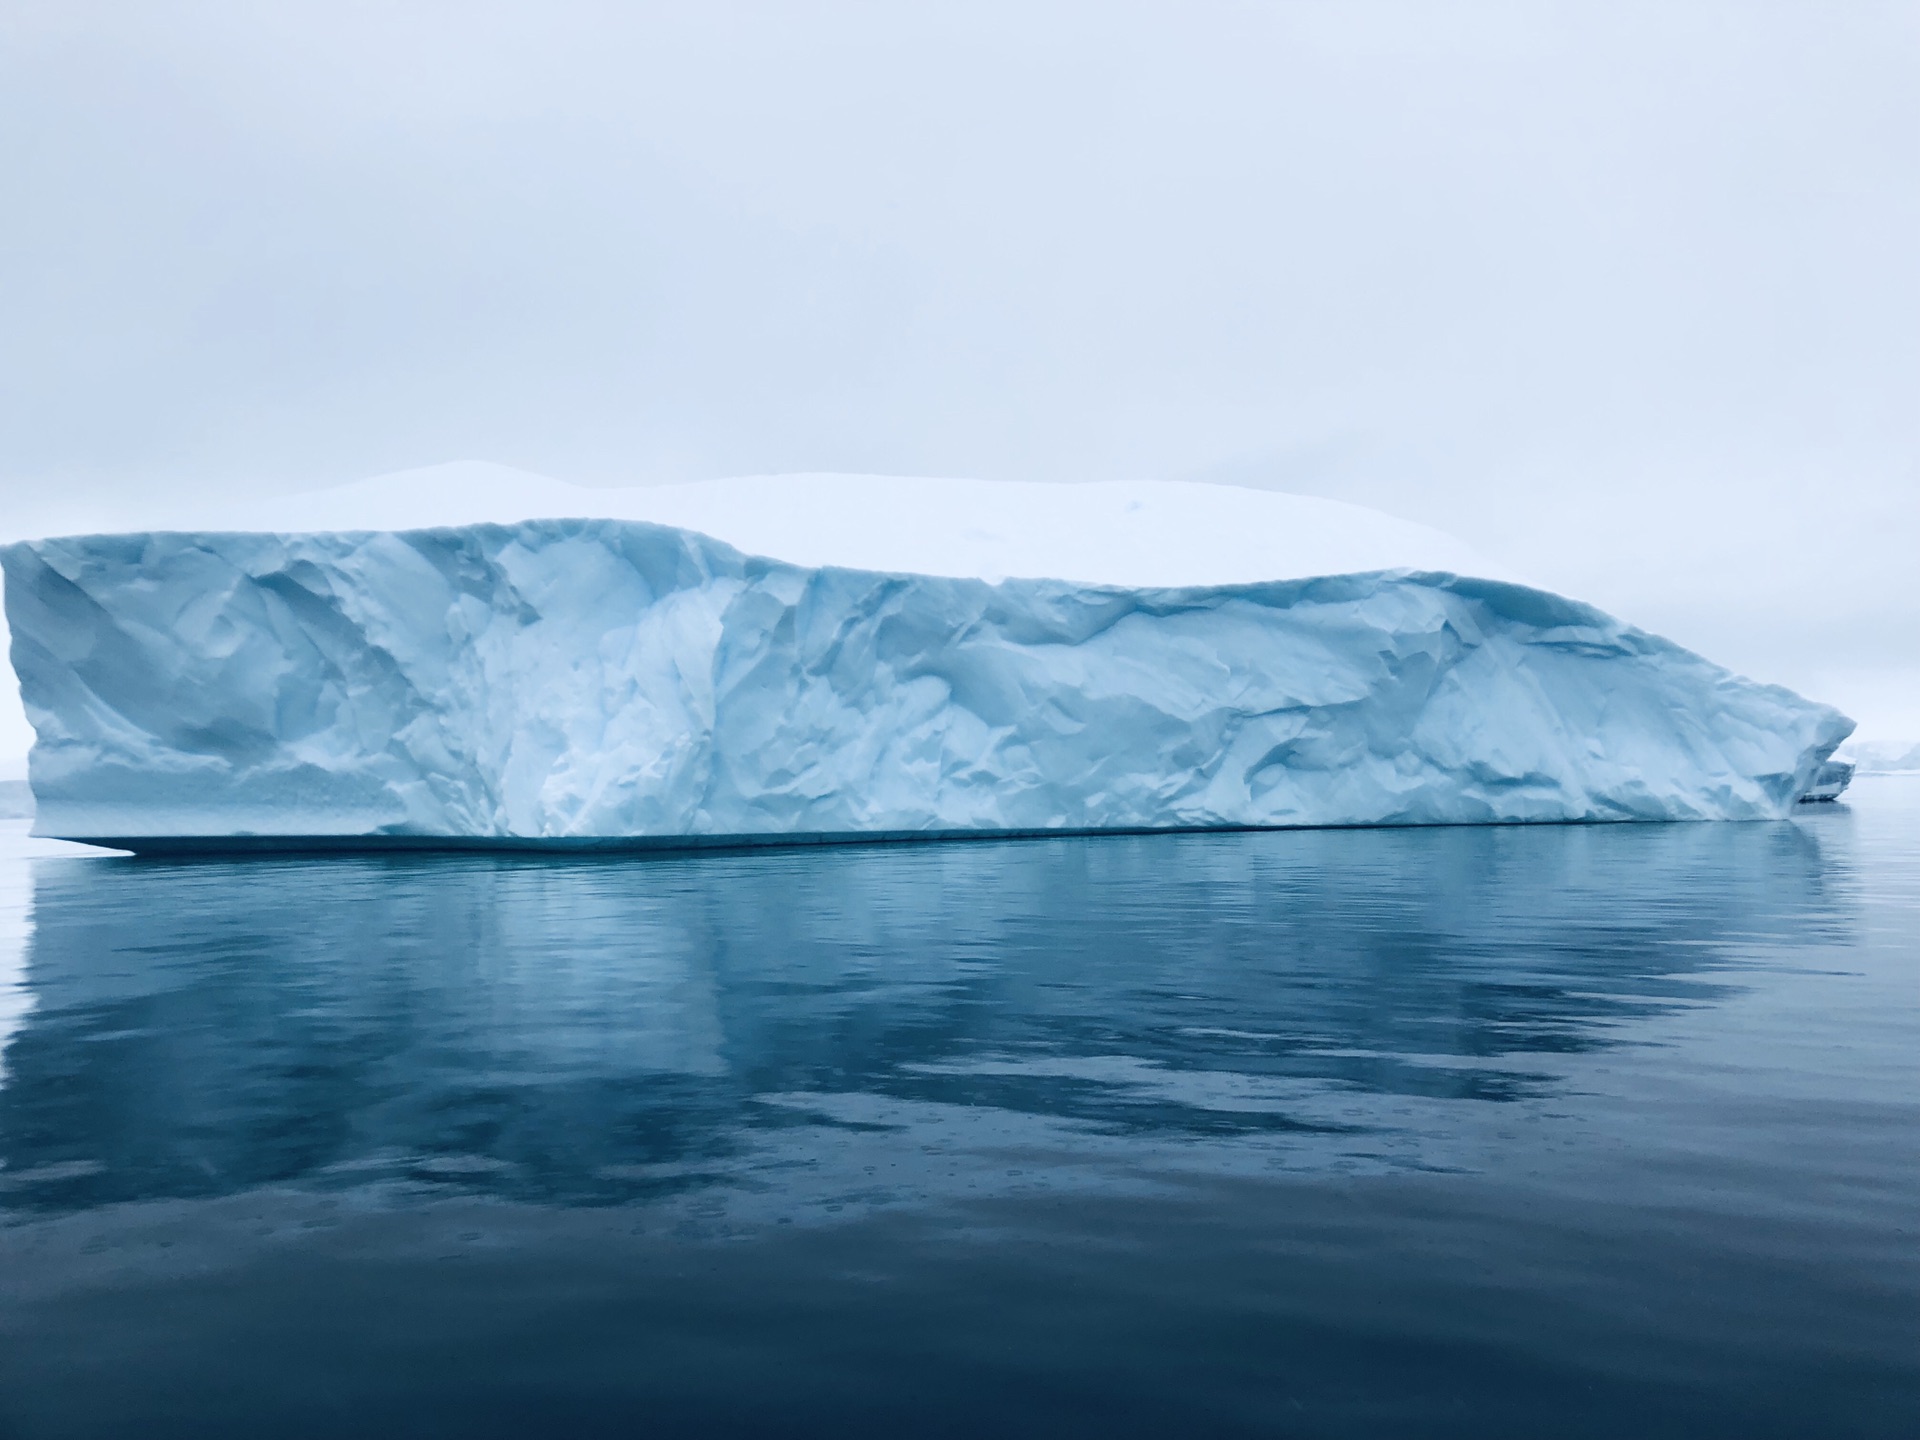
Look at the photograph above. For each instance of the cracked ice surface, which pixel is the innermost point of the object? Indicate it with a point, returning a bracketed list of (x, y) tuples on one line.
[(614, 678)]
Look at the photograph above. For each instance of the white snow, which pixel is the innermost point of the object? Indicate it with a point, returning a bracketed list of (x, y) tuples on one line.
[(582, 679), (1136, 533)]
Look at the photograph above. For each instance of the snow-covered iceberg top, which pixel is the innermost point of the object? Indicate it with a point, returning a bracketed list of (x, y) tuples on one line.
[(1138, 534), (501, 676)]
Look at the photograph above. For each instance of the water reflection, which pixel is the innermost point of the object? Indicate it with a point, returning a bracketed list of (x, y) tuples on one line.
[(835, 1026)]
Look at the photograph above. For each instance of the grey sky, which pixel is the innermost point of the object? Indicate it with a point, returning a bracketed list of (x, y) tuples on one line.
[(1624, 294)]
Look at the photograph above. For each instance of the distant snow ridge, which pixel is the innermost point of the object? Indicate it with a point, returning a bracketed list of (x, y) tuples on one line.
[(606, 680), (1885, 757)]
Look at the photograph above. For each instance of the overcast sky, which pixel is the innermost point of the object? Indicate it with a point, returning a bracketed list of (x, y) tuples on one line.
[(1624, 294)]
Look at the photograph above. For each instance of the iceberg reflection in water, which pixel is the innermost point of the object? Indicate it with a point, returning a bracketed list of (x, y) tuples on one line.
[(1479, 1130)]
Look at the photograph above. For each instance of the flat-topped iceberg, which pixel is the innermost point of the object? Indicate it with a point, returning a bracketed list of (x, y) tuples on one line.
[(610, 680)]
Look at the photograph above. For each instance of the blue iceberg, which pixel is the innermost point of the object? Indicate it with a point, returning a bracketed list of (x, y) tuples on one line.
[(614, 682)]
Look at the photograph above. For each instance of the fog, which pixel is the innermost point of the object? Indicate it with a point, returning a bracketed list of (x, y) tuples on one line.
[(1622, 294)]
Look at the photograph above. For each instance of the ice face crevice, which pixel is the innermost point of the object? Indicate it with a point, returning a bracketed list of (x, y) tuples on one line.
[(556, 679)]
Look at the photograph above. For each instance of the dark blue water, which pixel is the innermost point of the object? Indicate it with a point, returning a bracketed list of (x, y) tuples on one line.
[(1480, 1132)]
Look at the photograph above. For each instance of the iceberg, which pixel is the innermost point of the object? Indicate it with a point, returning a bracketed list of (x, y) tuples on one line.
[(500, 676), (1829, 782)]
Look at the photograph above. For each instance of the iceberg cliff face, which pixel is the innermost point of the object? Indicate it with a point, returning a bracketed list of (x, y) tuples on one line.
[(557, 680)]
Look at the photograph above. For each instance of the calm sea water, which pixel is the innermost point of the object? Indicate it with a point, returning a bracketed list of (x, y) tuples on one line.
[(1482, 1132)]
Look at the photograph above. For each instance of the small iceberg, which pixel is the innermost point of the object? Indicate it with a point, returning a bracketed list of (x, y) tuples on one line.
[(1829, 781)]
